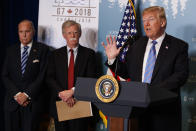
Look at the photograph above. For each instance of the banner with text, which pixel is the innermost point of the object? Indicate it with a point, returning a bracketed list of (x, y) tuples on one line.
[(54, 12)]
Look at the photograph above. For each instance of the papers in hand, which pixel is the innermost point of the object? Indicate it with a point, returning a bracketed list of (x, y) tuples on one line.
[(79, 110)]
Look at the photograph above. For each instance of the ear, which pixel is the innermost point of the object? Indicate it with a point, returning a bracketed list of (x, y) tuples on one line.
[(80, 34), (163, 23)]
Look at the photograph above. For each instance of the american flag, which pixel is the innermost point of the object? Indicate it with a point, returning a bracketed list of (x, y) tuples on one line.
[(127, 28)]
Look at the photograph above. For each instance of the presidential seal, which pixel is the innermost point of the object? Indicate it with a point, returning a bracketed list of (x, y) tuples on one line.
[(107, 88)]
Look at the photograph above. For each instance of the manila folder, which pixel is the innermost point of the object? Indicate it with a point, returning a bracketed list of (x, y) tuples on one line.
[(79, 110)]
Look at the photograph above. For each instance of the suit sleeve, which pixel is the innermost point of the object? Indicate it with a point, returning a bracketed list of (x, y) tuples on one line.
[(91, 65), (8, 84), (51, 76), (120, 67)]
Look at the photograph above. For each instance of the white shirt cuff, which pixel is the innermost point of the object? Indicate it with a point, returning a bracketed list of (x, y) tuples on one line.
[(16, 95), (27, 96), (73, 88), (111, 61)]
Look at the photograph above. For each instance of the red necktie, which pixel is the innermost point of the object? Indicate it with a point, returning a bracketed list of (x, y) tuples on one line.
[(71, 70)]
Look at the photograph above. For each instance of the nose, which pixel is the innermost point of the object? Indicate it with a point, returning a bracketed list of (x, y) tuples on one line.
[(24, 34), (73, 34), (146, 23)]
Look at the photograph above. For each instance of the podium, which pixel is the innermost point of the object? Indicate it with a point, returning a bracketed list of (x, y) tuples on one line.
[(132, 96)]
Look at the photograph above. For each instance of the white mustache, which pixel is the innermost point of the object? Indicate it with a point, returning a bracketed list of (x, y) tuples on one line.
[(71, 39)]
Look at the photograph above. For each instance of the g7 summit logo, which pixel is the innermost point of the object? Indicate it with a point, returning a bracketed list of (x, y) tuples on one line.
[(73, 2)]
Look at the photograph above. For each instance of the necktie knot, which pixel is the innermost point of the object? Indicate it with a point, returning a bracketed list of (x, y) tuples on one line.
[(26, 47), (71, 50), (154, 42)]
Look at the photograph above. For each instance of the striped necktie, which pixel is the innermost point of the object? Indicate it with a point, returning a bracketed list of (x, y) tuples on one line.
[(24, 59), (150, 63)]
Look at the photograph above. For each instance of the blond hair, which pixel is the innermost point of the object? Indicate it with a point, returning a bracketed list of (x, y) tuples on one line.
[(160, 10)]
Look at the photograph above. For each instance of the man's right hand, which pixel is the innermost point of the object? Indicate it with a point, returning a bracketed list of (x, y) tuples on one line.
[(66, 94), (111, 49), (22, 99)]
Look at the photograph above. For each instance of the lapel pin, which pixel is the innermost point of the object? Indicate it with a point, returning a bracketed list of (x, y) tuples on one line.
[(34, 50), (166, 47)]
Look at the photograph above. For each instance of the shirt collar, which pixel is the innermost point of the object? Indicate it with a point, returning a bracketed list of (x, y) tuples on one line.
[(74, 49), (158, 40), (29, 45)]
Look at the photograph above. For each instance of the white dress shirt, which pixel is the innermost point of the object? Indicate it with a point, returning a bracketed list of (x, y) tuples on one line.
[(148, 47), (75, 52)]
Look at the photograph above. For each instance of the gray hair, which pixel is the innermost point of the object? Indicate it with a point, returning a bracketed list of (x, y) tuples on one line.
[(30, 22), (69, 23)]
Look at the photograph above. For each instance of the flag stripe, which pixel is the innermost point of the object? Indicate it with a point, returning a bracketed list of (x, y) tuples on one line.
[(127, 28)]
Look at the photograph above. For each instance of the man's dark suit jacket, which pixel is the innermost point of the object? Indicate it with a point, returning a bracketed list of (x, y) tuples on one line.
[(31, 81), (170, 72), (57, 72)]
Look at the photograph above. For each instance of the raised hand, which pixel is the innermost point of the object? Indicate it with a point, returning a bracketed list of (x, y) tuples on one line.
[(111, 49)]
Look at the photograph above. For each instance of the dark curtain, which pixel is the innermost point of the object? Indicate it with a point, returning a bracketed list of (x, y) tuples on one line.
[(11, 13)]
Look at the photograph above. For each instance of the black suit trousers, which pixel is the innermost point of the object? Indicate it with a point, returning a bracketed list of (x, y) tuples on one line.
[(72, 125), (22, 119)]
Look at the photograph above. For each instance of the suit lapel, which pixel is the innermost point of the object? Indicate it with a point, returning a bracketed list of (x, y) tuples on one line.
[(161, 55), (141, 51), (64, 52), (32, 55), (63, 65), (78, 61)]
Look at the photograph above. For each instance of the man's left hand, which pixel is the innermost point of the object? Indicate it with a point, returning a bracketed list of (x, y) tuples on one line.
[(21, 98), (66, 94)]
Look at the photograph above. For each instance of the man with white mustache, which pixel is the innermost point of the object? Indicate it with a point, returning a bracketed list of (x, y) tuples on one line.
[(60, 74)]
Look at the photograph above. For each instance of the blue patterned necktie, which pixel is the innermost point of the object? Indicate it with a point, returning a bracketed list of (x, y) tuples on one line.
[(150, 63), (24, 59)]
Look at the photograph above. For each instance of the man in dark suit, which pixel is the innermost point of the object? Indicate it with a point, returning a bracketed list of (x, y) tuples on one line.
[(22, 75), (62, 74), (160, 60)]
